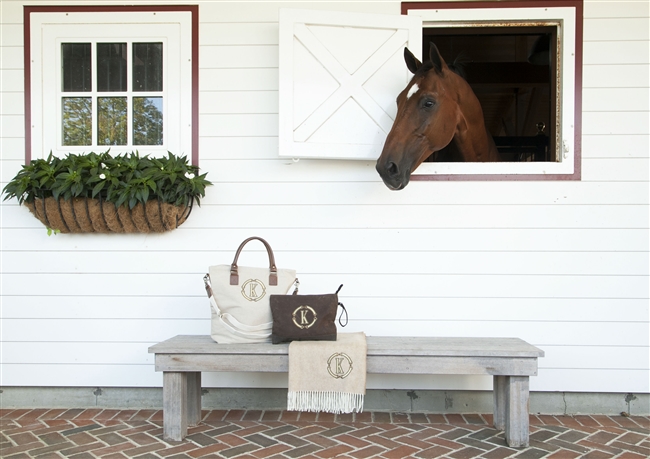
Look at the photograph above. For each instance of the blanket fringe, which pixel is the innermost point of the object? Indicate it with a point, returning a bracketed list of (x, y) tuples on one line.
[(327, 402)]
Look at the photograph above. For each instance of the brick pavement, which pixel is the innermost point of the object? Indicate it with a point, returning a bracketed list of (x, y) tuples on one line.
[(122, 434)]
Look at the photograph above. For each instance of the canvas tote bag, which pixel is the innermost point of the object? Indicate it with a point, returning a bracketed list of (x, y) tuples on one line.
[(239, 298)]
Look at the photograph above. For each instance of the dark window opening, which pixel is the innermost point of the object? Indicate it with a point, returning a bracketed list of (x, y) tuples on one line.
[(513, 72)]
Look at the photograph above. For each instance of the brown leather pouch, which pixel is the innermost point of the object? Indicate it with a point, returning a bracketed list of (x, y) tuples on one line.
[(305, 317)]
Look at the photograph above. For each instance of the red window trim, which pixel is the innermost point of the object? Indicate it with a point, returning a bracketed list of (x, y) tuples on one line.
[(577, 149), (193, 9)]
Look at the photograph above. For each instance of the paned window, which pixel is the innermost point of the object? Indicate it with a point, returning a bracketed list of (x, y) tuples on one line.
[(111, 79), (124, 81)]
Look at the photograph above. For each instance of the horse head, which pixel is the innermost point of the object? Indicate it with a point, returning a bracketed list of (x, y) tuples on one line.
[(436, 107)]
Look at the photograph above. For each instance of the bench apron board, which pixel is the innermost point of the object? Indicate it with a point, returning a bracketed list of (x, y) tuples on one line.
[(510, 361)]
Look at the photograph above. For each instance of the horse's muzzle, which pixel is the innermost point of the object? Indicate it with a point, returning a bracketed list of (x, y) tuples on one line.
[(393, 177)]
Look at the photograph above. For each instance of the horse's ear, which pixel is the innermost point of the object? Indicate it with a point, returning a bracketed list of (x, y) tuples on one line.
[(436, 59), (412, 62)]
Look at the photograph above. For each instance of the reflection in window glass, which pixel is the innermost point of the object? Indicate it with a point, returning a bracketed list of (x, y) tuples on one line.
[(111, 67), (76, 67), (147, 121), (147, 66), (112, 121), (77, 121)]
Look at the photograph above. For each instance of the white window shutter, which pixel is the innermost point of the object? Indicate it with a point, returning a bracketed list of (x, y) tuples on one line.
[(340, 73)]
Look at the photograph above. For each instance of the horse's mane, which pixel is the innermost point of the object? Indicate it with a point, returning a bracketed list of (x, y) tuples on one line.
[(457, 66)]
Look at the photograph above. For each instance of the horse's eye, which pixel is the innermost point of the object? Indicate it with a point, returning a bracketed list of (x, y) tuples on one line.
[(428, 103)]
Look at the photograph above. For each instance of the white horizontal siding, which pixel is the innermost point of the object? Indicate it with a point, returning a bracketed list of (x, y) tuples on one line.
[(252, 56), (616, 99), (617, 122), (616, 53), (615, 146), (237, 34), (612, 9), (360, 262), (226, 240), (12, 80), (394, 285), (240, 103), (306, 216), (105, 306), (236, 79), (12, 103), (541, 334), (563, 265), (12, 57), (606, 75), (612, 29), (15, 124)]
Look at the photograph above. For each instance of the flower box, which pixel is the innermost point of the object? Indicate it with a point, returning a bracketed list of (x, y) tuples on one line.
[(84, 215), (98, 193)]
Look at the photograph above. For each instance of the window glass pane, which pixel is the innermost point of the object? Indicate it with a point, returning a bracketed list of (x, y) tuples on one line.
[(111, 67), (77, 120), (76, 67), (147, 121), (147, 66), (112, 121)]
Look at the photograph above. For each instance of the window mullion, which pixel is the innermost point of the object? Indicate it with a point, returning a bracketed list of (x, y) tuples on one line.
[(94, 94), (129, 93)]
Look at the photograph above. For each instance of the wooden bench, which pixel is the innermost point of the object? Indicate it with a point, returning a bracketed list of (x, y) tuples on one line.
[(510, 361)]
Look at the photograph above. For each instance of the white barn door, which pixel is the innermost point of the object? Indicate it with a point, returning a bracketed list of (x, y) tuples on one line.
[(339, 76)]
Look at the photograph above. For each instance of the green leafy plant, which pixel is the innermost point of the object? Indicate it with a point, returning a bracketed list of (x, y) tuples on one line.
[(126, 179)]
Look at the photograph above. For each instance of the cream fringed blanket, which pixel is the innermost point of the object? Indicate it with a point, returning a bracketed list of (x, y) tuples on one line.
[(328, 376)]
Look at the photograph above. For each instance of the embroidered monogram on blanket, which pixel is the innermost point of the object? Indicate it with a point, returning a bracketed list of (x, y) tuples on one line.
[(328, 376)]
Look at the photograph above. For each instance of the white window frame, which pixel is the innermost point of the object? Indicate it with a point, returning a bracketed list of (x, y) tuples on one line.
[(49, 29), (564, 18)]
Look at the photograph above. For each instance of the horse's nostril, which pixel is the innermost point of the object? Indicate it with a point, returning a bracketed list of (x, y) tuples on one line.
[(392, 169)]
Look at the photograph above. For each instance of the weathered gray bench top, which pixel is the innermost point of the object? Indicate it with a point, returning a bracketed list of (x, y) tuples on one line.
[(377, 346), (386, 355)]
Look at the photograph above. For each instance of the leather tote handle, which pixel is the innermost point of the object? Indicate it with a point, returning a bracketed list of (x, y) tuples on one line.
[(273, 275)]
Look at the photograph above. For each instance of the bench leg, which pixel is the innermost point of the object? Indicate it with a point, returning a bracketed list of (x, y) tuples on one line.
[(511, 396), (174, 405), (181, 403), (516, 412), (193, 398), (499, 394)]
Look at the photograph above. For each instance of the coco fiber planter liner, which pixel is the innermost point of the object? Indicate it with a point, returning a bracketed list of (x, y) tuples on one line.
[(83, 215)]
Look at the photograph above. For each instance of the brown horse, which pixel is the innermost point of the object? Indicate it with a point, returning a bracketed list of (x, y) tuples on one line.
[(437, 109)]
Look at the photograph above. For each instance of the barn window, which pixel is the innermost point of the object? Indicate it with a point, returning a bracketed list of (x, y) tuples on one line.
[(523, 61), (115, 78)]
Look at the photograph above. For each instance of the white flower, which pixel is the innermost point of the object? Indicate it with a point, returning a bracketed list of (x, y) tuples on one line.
[(104, 166), (189, 175), (102, 176)]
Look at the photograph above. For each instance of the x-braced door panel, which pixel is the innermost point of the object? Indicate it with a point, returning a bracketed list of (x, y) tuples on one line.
[(339, 76)]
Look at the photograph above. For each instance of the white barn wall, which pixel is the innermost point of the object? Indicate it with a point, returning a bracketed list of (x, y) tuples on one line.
[(563, 265)]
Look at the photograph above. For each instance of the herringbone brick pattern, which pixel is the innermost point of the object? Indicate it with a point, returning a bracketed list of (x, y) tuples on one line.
[(122, 434)]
